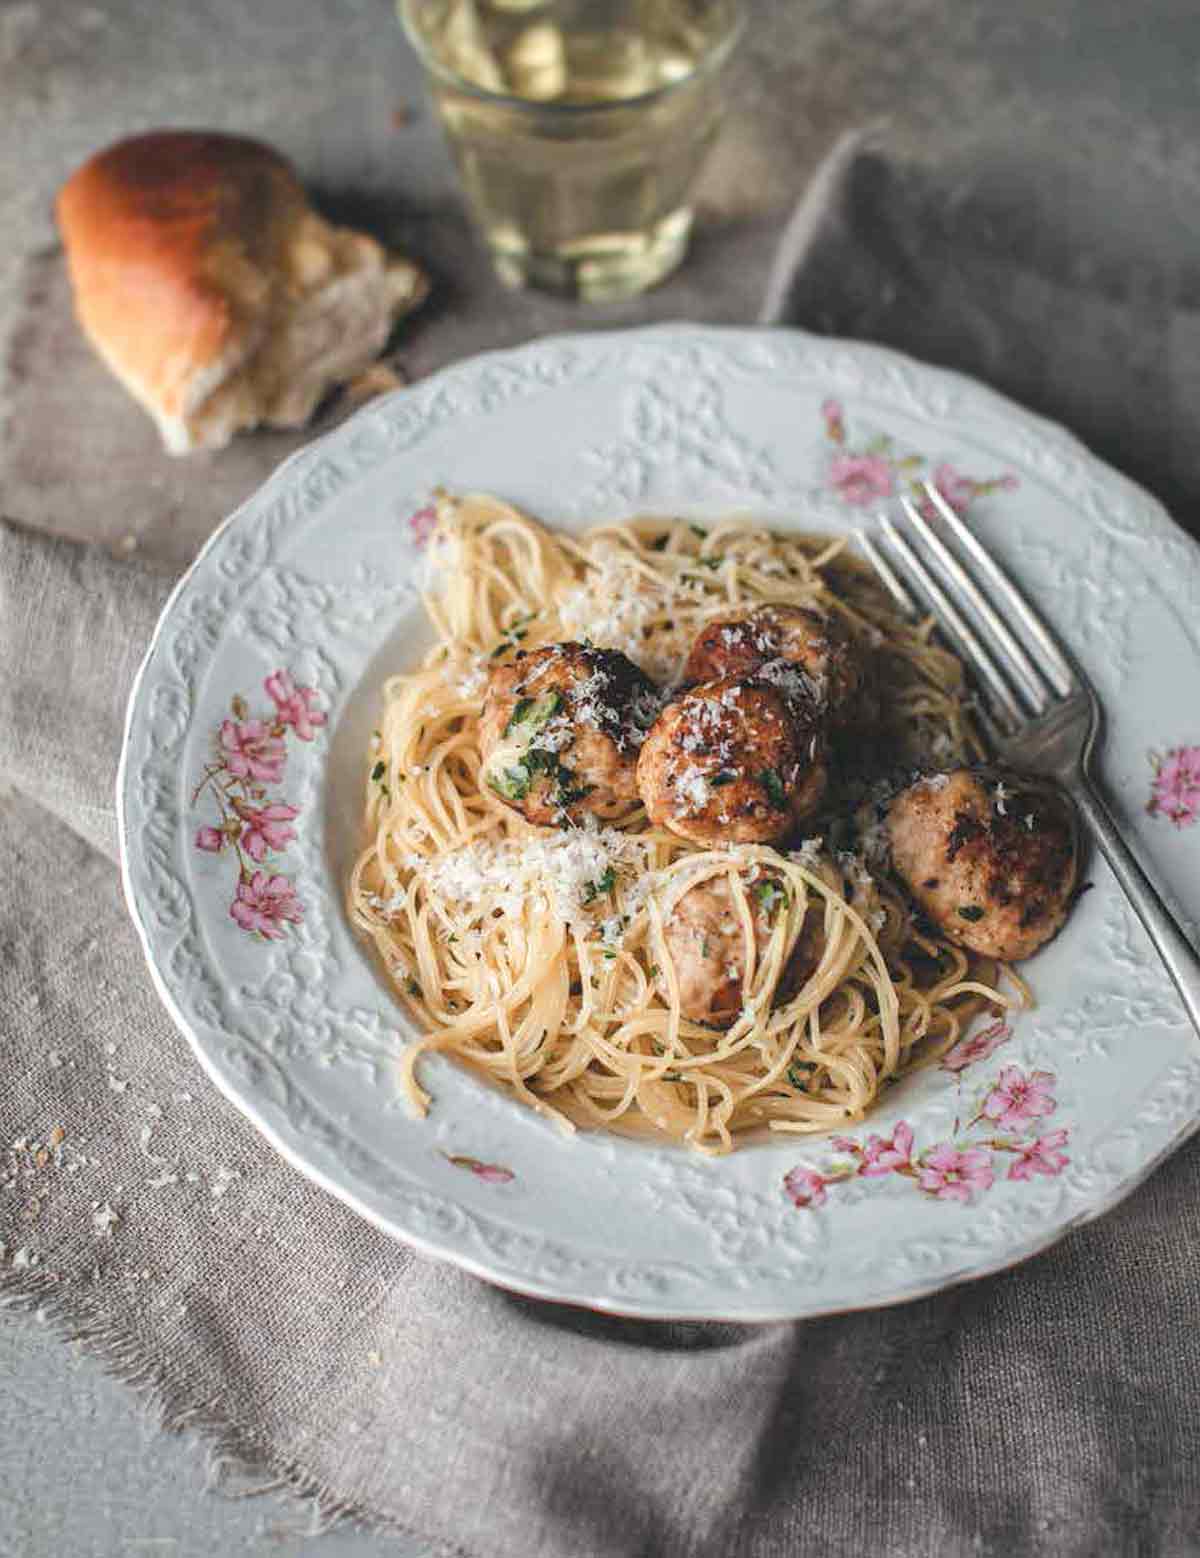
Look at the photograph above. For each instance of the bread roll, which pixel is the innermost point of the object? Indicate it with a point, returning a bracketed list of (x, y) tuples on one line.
[(214, 292)]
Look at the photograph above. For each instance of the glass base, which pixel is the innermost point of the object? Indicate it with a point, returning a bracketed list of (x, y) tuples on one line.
[(600, 269)]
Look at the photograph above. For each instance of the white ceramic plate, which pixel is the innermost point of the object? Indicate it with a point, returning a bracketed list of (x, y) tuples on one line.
[(970, 1169)]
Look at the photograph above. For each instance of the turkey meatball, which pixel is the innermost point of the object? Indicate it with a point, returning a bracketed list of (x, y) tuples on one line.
[(560, 732), (770, 641), (991, 858), (733, 761), (707, 947)]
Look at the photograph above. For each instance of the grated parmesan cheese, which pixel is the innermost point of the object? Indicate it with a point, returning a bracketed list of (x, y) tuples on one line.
[(793, 681), (612, 930), (875, 842), (693, 788), (854, 868), (563, 868), (468, 677), (610, 605), (809, 853)]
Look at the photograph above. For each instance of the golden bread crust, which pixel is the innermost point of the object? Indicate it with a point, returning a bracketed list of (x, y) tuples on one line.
[(214, 292), (164, 236)]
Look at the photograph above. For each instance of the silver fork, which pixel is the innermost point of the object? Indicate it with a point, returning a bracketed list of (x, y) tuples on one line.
[(1043, 714)]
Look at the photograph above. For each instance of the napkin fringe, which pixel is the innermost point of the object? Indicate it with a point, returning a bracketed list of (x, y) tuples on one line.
[(235, 1457)]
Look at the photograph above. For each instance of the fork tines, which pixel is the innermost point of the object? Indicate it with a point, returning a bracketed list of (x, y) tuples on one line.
[(1019, 680)]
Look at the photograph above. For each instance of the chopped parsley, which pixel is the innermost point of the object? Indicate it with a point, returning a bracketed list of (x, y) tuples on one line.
[(533, 714), (971, 911), (659, 544), (773, 784), (414, 988), (378, 771), (568, 794), (542, 761), (725, 776), (698, 530), (710, 562), (513, 784), (602, 884), (795, 1074), (771, 896), (513, 634)]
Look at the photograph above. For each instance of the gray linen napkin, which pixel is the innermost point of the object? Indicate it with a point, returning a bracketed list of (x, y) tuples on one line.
[(1066, 286), (1050, 1410)]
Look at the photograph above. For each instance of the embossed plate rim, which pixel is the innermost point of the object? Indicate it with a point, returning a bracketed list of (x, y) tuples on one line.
[(733, 1305)]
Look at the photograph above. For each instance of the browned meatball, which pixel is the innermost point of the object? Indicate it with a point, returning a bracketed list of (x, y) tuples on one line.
[(706, 943), (733, 761), (990, 858), (769, 640), (559, 734)]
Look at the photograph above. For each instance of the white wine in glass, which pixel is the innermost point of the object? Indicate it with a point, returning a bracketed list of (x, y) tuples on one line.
[(579, 128)]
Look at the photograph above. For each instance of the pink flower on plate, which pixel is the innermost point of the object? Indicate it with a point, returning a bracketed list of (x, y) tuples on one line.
[(264, 902), (266, 827), (881, 1156), (490, 1173), (957, 489), (1040, 1156), (294, 705), (951, 1175), (1018, 1098), (250, 750), (835, 420), (860, 478), (1175, 792), (422, 523), (978, 1047), (211, 840), (805, 1187), (960, 491)]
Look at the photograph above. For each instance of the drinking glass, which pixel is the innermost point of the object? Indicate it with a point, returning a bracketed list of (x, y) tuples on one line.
[(579, 128)]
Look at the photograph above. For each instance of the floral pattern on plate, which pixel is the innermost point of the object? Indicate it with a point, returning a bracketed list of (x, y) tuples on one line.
[(1175, 788), (250, 754), (491, 1173), (1006, 1123), (871, 469), (421, 523), (723, 1241)]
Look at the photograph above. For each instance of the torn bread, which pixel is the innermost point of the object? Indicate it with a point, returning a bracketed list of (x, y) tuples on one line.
[(212, 289)]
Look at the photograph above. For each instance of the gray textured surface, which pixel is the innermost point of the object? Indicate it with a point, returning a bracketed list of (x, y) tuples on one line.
[(84, 1470), (1071, 87)]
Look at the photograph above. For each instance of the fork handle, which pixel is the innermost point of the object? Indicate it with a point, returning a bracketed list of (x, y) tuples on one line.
[(1173, 947)]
